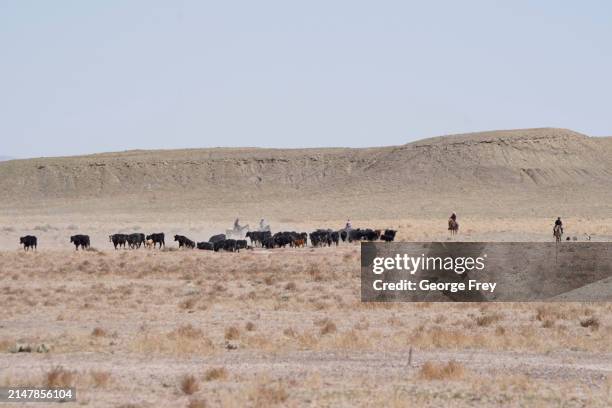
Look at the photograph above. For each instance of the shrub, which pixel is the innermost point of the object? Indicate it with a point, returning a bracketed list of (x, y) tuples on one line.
[(58, 377), (189, 385), (232, 333)]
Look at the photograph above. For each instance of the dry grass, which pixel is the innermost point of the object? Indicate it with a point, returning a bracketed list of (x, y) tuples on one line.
[(232, 333), (100, 379), (284, 331), (214, 374), (488, 319), (197, 403), (328, 328), (58, 377), (189, 385), (592, 322), (98, 332), (439, 371), (265, 395)]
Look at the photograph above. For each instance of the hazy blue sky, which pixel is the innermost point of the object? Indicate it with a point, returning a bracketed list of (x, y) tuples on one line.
[(84, 76)]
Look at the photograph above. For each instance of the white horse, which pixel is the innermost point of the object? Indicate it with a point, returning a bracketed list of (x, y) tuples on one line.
[(239, 232)]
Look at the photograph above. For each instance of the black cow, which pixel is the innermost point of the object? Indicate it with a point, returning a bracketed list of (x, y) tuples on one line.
[(118, 240), (268, 243), (367, 234), (389, 235), (361, 234), (258, 237), (136, 240), (217, 245), (217, 238), (80, 240), (29, 241), (158, 238), (230, 245), (335, 237), (355, 235), (343, 235), (321, 237), (184, 241), (241, 244), (207, 246)]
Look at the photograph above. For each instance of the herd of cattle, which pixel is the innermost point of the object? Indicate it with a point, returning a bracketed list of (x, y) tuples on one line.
[(262, 239)]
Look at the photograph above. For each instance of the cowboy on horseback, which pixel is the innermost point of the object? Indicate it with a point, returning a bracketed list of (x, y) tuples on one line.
[(453, 225), (558, 224), (348, 225)]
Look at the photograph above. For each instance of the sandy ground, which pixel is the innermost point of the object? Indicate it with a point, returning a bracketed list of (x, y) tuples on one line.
[(283, 327)]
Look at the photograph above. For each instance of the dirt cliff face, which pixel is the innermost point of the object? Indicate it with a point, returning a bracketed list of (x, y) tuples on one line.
[(533, 161)]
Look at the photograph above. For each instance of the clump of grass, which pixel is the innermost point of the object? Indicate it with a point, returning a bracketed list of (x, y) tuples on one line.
[(290, 332), (544, 313), (269, 280), (197, 403), (189, 385), (314, 273), (328, 328), (100, 379), (98, 332), (548, 324), (290, 286), (59, 377), (213, 374), (437, 371), (487, 319), (265, 395), (232, 333), (250, 326), (189, 331), (188, 304), (591, 322)]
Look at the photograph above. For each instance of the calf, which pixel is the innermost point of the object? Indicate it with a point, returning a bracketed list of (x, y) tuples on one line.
[(29, 241), (150, 244), (80, 240), (184, 241)]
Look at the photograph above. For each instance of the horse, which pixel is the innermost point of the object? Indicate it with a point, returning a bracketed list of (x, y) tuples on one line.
[(558, 233), (237, 233), (453, 226)]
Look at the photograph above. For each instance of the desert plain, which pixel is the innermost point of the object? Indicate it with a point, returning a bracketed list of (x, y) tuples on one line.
[(286, 327)]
